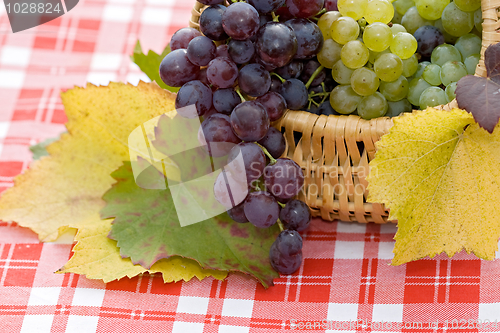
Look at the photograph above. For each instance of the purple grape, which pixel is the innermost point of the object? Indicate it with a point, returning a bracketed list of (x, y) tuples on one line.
[(428, 37), (202, 76), (240, 21), (289, 243), (211, 22), (276, 44), (223, 51), (274, 142), (209, 113), (237, 213), (296, 215), (241, 51), (263, 19), (326, 109), (304, 8), (210, 2), (197, 93), (201, 50), (291, 70), (309, 37), (269, 67), (284, 179), (274, 104), (295, 93), (225, 100), (182, 37), (331, 5), (176, 69), (286, 252), (254, 80), (309, 68), (216, 133), (261, 209), (276, 85), (284, 264), (228, 191), (267, 6), (222, 72), (254, 161), (250, 121)]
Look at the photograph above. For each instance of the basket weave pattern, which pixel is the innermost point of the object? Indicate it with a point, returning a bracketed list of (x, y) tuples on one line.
[(334, 151)]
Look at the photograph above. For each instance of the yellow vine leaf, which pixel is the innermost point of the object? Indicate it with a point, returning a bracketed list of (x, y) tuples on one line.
[(98, 257), (65, 189), (439, 174)]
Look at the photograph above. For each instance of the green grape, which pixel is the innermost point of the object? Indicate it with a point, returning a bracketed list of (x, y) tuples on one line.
[(444, 53), (375, 55), (404, 45), (450, 92), (432, 74), (449, 39), (432, 96), (468, 5), (396, 108), (344, 100), (397, 28), (395, 90), (415, 89), (410, 66), (452, 71), (325, 22), (354, 54), (329, 53), (377, 36), (471, 63), (344, 30), (379, 11), (420, 69), (388, 67), (478, 20), (412, 20), (362, 23), (352, 8), (364, 81), (402, 6), (468, 45), (397, 17), (431, 9), (373, 106), (457, 22), (341, 74)]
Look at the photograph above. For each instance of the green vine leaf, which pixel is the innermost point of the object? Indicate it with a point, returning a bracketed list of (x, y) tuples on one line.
[(147, 230)]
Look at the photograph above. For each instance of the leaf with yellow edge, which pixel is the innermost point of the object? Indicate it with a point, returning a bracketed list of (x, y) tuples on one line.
[(439, 174), (98, 257), (65, 189)]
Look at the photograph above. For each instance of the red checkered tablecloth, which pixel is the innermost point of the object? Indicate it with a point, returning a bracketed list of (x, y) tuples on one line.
[(345, 283)]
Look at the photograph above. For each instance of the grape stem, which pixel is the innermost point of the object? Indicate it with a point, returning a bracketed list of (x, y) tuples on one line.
[(279, 77), (276, 18), (280, 224), (316, 73), (271, 158), (281, 204), (243, 99)]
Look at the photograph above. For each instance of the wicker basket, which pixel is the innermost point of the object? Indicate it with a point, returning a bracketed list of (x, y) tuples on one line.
[(334, 151)]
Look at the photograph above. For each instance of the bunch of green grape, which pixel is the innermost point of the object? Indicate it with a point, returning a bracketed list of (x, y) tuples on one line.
[(392, 57)]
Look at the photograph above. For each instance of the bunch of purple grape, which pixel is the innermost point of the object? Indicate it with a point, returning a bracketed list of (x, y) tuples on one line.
[(250, 63)]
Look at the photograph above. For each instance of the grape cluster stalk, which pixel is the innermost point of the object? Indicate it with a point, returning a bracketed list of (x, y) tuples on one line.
[(251, 61)]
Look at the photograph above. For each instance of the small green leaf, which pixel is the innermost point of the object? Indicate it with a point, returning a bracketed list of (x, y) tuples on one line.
[(40, 149), (150, 64), (147, 229)]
